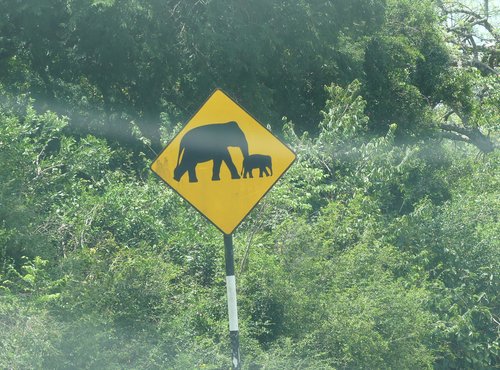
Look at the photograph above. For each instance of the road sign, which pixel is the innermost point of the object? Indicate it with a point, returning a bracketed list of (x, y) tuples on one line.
[(223, 162)]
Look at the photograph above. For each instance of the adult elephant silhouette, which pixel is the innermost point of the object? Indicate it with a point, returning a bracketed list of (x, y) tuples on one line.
[(207, 143)]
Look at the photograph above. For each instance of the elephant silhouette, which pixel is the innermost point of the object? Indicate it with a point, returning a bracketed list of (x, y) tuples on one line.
[(260, 161), (210, 143)]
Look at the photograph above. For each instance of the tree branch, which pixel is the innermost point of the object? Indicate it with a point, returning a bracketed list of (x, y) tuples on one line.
[(469, 135), (454, 137)]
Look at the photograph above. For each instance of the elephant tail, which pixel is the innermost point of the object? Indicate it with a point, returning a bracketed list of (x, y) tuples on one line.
[(177, 169), (181, 150)]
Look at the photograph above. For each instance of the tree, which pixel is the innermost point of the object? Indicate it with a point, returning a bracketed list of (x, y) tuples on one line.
[(472, 30)]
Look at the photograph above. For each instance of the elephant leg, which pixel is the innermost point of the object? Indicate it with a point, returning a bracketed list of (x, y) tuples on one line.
[(261, 172), (192, 174), (229, 163), (216, 170), (265, 171)]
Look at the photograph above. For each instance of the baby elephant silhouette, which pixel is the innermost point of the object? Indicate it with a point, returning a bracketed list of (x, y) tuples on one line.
[(260, 161)]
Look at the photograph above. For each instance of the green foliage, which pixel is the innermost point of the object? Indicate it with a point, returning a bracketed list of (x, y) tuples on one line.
[(378, 249), (369, 318), (114, 62), (29, 336), (457, 244)]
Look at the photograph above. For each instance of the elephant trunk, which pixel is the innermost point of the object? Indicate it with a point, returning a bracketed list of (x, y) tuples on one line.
[(244, 148)]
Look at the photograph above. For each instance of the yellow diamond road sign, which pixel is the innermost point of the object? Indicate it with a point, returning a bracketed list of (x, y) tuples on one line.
[(223, 162)]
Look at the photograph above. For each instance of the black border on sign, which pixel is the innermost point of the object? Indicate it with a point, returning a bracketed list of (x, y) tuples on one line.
[(263, 195)]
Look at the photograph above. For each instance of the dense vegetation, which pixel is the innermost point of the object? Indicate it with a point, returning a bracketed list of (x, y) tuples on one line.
[(379, 249)]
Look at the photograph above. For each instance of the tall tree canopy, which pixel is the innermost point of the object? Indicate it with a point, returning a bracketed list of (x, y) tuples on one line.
[(118, 61)]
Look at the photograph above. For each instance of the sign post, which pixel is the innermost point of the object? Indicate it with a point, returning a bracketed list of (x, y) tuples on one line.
[(223, 162), (232, 307)]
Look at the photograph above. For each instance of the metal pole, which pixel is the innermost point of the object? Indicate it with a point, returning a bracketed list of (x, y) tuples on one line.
[(231, 301)]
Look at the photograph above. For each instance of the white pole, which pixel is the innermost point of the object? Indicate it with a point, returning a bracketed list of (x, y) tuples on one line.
[(232, 306)]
